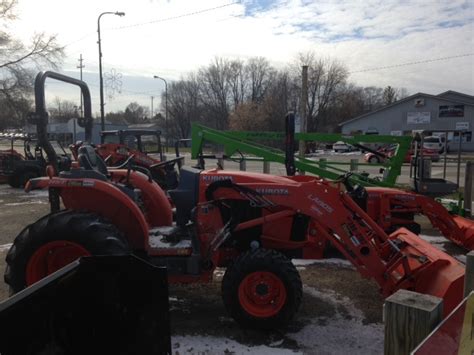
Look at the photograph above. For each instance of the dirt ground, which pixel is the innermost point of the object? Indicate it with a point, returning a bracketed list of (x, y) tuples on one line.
[(340, 312)]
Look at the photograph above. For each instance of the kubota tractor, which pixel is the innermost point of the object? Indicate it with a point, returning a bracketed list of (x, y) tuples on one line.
[(141, 145), (18, 166), (250, 223)]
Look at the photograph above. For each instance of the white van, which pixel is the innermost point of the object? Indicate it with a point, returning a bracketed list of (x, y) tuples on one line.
[(437, 143)]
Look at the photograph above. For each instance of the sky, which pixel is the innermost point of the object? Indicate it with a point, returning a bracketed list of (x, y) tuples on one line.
[(423, 46)]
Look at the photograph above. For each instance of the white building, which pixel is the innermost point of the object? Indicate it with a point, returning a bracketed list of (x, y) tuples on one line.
[(449, 110)]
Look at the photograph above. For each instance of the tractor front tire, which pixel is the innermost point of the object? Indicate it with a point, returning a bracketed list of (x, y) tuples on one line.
[(262, 289), (57, 240)]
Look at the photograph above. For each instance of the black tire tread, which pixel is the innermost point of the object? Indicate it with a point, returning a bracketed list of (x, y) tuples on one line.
[(98, 236), (14, 181)]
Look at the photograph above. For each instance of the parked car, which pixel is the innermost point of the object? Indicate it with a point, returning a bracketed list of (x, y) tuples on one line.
[(389, 151), (437, 143), (342, 147)]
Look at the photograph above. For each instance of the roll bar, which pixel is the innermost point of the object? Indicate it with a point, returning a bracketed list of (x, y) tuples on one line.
[(40, 116)]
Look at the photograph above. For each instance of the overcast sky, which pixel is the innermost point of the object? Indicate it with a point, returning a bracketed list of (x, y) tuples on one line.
[(174, 37)]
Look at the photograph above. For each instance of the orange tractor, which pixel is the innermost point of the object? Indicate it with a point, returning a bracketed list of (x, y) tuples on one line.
[(142, 148), (250, 223)]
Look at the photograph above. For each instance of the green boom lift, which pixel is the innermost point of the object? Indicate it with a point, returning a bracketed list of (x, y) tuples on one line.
[(237, 143)]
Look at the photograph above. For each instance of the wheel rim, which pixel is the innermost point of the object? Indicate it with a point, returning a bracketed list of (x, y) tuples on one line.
[(51, 257), (262, 294)]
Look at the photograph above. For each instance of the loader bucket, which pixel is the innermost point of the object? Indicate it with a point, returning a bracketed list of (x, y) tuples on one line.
[(95, 305), (438, 274), (467, 229)]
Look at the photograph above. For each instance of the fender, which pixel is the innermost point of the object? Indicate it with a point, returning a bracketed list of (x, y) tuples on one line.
[(103, 198), (157, 206)]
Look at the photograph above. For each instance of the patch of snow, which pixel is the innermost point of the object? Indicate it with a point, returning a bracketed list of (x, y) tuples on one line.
[(34, 193), (334, 261), (341, 334), (433, 239), (218, 274), (206, 345), (26, 203), (5, 247), (276, 343), (438, 242), (460, 257), (156, 242)]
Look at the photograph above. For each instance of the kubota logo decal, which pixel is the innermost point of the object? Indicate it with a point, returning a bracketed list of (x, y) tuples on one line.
[(321, 203), (212, 178), (271, 191)]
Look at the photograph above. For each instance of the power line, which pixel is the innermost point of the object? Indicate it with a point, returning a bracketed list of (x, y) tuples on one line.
[(412, 63), (177, 16), (155, 21), (79, 39)]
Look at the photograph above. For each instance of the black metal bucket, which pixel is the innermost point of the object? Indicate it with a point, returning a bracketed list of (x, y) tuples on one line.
[(95, 305)]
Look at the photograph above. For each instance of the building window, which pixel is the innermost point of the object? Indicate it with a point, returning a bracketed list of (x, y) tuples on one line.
[(372, 130), (466, 137), (451, 111)]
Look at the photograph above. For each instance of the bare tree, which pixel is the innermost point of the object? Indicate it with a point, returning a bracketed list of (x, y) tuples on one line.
[(248, 116), (389, 95), (17, 60), (63, 110), (325, 77), (117, 117), (136, 113), (373, 98), (184, 106), (237, 81), (215, 90), (259, 72)]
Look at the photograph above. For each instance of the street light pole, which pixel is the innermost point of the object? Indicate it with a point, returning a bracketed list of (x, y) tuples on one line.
[(102, 115), (152, 97), (166, 109)]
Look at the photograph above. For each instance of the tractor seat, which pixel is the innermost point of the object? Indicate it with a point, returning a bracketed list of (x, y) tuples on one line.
[(91, 166), (90, 160)]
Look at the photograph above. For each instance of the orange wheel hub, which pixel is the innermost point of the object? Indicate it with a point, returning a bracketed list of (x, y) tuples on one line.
[(262, 294), (52, 257)]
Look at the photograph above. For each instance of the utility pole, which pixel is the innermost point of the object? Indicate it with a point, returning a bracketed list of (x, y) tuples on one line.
[(303, 106), (101, 82), (80, 67), (152, 97), (166, 109)]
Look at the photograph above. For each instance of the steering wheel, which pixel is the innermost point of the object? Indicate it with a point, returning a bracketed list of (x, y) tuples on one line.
[(344, 178), (130, 166)]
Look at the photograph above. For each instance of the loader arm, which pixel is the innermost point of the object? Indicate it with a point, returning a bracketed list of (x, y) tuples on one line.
[(401, 260)]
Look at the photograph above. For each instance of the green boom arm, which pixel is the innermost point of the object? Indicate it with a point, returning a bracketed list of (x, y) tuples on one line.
[(245, 142)]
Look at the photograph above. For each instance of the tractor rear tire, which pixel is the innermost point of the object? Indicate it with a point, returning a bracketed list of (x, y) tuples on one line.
[(56, 240), (14, 181), (26, 176), (262, 289)]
